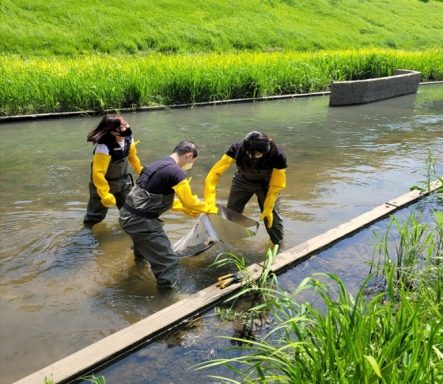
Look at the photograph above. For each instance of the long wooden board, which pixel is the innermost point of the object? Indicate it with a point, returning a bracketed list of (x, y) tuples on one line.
[(112, 346)]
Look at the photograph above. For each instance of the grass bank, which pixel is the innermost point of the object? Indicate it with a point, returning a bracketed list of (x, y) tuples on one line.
[(100, 82), (53, 27)]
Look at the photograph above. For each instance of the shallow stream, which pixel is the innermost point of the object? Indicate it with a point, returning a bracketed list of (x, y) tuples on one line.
[(65, 286)]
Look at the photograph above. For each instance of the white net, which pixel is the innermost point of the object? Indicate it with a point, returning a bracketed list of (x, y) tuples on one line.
[(226, 226)]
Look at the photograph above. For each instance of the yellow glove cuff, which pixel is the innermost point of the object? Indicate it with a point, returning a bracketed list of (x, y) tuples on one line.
[(100, 166), (278, 178), (133, 159), (190, 201), (276, 184), (214, 174)]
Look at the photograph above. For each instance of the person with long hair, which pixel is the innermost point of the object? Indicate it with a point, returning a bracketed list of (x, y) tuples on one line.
[(153, 195), (110, 181), (260, 171)]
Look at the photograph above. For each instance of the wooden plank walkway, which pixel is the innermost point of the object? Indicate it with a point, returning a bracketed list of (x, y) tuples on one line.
[(85, 360)]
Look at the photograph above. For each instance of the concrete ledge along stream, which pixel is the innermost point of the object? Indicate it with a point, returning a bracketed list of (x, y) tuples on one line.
[(163, 107), (111, 347)]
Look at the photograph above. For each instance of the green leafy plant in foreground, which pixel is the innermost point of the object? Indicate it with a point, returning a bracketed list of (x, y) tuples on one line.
[(394, 337), (412, 243), (429, 173), (257, 289), (352, 341)]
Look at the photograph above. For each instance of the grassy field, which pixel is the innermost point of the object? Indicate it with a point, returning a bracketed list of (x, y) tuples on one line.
[(100, 82), (53, 27), (70, 56)]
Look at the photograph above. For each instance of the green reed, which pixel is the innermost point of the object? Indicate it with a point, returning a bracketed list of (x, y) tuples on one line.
[(105, 82), (386, 339)]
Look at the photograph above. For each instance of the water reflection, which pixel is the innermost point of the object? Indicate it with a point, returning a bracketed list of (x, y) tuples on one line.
[(65, 286)]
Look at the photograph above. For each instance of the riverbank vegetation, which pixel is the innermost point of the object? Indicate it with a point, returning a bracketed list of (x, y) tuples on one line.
[(393, 336), (51, 27), (76, 56), (390, 332), (105, 82)]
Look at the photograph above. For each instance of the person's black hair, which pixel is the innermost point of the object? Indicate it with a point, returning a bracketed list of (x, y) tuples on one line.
[(101, 134), (185, 147), (254, 142)]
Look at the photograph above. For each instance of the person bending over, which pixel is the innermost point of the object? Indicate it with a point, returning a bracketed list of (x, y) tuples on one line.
[(110, 181), (153, 195), (261, 171)]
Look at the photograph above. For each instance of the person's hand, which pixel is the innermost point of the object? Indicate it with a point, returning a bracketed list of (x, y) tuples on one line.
[(191, 213), (267, 213), (109, 200)]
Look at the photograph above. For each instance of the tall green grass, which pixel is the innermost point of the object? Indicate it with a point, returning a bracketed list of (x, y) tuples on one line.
[(388, 339), (101, 82), (54, 27)]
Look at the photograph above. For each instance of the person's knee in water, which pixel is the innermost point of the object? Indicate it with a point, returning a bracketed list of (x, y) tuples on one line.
[(261, 168), (110, 181), (153, 195)]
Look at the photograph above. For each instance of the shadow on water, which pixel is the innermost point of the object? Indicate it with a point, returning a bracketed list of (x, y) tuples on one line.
[(65, 286)]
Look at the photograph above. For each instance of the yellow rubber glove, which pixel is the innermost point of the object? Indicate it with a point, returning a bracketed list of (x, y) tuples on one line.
[(277, 183), (190, 201), (133, 159), (214, 174), (100, 166), (178, 207)]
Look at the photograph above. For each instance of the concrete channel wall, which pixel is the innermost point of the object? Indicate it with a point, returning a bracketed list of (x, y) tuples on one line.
[(403, 82), (113, 347)]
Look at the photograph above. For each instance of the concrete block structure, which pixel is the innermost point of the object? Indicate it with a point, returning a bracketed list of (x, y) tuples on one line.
[(365, 91)]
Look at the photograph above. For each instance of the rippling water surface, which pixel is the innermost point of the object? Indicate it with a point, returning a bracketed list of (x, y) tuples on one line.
[(65, 286)]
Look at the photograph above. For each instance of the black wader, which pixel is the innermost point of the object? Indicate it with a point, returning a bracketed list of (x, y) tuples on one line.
[(244, 186), (139, 218)]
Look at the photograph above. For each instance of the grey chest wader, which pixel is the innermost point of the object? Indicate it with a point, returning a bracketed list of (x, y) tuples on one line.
[(120, 184), (244, 185), (139, 218)]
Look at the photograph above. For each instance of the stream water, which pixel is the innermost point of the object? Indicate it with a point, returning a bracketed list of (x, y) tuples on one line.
[(65, 286)]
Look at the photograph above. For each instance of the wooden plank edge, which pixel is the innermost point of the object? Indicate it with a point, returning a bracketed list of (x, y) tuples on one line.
[(308, 248), (412, 196)]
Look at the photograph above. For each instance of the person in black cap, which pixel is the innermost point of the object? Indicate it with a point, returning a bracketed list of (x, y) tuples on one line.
[(261, 171)]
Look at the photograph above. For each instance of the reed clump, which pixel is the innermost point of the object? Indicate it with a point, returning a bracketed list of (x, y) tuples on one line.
[(104, 82), (394, 336)]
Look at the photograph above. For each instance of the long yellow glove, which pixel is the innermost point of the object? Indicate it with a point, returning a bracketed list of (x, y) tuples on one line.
[(277, 183), (100, 166), (214, 174), (190, 201), (133, 159), (178, 207)]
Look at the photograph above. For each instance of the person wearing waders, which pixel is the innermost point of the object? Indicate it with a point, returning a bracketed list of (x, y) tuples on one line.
[(110, 181), (152, 195), (261, 171)]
